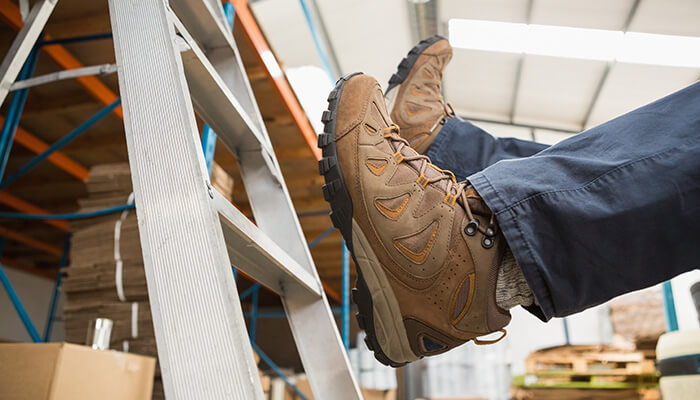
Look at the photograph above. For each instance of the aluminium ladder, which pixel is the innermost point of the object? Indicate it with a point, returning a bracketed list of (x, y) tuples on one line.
[(173, 59)]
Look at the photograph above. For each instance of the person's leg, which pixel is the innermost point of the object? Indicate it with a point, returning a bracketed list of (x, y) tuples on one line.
[(611, 210), (464, 148)]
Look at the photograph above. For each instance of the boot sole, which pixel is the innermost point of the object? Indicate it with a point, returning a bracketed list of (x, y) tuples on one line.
[(407, 63), (336, 194)]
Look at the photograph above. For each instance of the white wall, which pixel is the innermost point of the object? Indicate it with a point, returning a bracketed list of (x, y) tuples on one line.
[(35, 293)]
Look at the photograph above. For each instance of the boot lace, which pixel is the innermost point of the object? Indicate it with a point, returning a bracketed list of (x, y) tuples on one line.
[(456, 192)]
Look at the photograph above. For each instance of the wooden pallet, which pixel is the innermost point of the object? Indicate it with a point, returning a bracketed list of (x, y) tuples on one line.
[(598, 360), (518, 393), (586, 381)]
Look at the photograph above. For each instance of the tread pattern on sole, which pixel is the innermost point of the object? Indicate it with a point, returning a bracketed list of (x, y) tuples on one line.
[(336, 193), (407, 63)]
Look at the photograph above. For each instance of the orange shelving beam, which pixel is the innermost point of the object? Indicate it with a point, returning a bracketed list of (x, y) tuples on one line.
[(37, 244), (259, 44), (25, 206), (59, 159)]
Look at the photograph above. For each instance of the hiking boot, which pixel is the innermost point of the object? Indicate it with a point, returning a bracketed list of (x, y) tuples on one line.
[(414, 97), (427, 249)]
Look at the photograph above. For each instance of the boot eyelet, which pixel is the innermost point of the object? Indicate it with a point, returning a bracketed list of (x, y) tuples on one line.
[(490, 232), (472, 228), (487, 242)]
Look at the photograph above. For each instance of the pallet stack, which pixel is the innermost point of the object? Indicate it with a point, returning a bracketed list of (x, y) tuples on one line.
[(92, 284), (587, 372)]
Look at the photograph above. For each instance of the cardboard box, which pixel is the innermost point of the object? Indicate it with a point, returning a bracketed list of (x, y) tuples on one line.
[(60, 371)]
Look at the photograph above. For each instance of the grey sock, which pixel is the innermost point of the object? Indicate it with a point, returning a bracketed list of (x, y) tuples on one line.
[(511, 287)]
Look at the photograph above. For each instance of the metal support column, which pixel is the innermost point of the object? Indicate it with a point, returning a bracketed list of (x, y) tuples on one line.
[(254, 314), (14, 112), (267, 360), (669, 307), (346, 296), (324, 47), (56, 293)]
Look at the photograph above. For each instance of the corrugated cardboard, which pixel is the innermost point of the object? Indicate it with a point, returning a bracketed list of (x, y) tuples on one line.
[(59, 371)]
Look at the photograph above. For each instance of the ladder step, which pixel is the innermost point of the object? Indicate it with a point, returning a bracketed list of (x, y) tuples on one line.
[(254, 253), (200, 19), (214, 102)]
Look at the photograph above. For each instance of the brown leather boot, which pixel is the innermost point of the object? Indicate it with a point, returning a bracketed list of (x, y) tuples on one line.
[(414, 96), (427, 248)]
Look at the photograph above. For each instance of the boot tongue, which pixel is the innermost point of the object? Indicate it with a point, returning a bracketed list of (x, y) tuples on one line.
[(430, 171)]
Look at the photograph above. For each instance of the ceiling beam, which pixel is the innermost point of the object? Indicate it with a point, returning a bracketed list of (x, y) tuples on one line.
[(529, 126), (24, 206), (37, 244), (519, 68), (606, 72)]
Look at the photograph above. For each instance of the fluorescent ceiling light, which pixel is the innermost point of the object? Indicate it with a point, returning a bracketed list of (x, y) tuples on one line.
[(568, 42)]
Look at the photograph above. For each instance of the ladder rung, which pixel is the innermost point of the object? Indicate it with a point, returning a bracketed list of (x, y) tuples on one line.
[(214, 101), (65, 74), (253, 252), (202, 23)]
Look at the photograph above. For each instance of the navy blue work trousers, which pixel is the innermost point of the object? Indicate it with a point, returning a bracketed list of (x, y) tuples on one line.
[(613, 209)]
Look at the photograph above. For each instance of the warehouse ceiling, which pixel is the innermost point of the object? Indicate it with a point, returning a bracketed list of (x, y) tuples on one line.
[(554, 92)]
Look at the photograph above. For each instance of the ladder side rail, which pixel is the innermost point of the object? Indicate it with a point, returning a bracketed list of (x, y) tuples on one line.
[(311, 321), (203, 345), (23, 44)]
